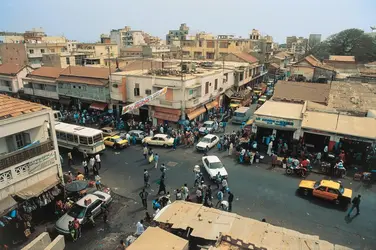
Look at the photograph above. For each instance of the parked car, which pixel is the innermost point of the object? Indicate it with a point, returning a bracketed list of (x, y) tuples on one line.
[(207, 142), (109, 131), (207, 127), (159, 140), (213, 165), (328, 190), (139, 134), (115, 142), (91, 203)]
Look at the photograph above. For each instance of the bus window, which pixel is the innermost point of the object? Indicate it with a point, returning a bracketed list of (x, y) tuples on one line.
[(90, 140), (70, 137), (76, 139), (83, 140), (63, 136), (97, 138)]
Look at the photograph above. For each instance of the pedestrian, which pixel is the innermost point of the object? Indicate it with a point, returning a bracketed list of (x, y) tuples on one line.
[(219, 197), (274, 160), (150, 155), (175, 143), (77, 227), (270, 147), (95, 170), (199, 195), (145, 151), (105, 212), (178, 195), (230, 149), (355, 204), (209, 193), (146, 179), (121, 246), (84, 164), (144, 196), (218, 179), (72, 231), (98, 184), (98, 161), (224, 185), (70, 159), (140, 228), (317, 159), (185, 191), (162, 187), (92, 162), (156, 158), (85, 155), (134, 139), (230, 199)]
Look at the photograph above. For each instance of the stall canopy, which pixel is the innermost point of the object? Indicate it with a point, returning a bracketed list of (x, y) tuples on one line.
[(7, 204), (98, 106), (211, 105), (192, 115), (38, 188), (229, 93)]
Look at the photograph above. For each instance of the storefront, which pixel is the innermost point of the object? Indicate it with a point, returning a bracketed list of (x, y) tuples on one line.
[(196, 114), (282, 120), (165, 116)]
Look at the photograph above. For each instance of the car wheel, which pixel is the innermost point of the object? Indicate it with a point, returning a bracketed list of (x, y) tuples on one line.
[(288, 171), (337, 202), (305, 192), (115, 146), (165, 145)]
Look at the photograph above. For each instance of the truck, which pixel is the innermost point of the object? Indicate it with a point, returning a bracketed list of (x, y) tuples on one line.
[(240, 99)]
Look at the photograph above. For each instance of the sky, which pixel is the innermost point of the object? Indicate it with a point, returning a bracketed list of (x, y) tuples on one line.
[(85, 20)]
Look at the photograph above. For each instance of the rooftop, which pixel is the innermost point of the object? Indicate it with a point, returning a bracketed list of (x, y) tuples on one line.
[(352, 96), (86, 75), (342, 58), (282, 55), (13, 107), (158, 239), (50, 72), (10, 69), (301, 91), (246, 57), (315, 63), (281, 109)]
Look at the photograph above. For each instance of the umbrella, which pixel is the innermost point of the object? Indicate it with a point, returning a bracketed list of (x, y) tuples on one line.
[(76, 186)]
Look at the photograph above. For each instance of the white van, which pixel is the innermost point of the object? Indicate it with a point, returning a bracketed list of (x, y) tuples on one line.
[(241, 115), (57, 115)]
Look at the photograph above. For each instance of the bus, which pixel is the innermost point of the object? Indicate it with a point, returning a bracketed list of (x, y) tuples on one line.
[(79, 138)]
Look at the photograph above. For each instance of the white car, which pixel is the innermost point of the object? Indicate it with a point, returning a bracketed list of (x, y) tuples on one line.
[(213, 165), (207, 142), (159, 140), (81, 209), (207, 127)]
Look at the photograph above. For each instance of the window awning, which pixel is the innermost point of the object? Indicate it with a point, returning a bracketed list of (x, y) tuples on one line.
[(64, 100), (211, 105), (196, 113), (7, 204), (98, 106), (166, 117), (229, 93), (38, 188)]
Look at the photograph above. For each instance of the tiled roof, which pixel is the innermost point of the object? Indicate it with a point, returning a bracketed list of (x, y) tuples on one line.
[(83, 80), (12, 107), (10, 68), (342, 58), (316, 63), (281, 55), (246, 57), (301, 92), (51, 72), (89, 72)]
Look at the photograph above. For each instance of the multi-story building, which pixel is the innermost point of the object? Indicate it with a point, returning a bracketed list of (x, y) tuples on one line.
[(82, 86), (13, 53), (311, 69), (105, 39), (299, 47), (290, 40), (175, 36), (29, 156), (11, 76), (313, 40), (117, 35), (96, 53), (11, 37), (34, 35), (133, 38), (40, 85), (152, 40), (35, 51)]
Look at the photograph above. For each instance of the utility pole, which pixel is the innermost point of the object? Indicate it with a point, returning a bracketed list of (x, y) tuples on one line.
[(182, 82)]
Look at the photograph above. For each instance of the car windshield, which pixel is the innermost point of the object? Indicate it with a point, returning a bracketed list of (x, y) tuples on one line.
[(216, 165), (317, 184), (238, 114), (206, 125), (77, 211), (118, 140), (205, 140), (235, 101), (341, 189)]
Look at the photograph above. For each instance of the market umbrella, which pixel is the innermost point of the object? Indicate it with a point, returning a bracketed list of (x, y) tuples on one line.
[(76, 186)]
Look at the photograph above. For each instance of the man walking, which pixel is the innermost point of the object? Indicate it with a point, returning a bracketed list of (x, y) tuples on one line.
[(146, 179), (162, 187), (156, 158), (355, 204), (84, 164), (219, 197), (98, 160), (145, 151), (70, 159), (230, 200), (144, 196)]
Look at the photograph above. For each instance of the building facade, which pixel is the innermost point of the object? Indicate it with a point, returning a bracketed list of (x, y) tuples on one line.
[(35, 52), (177, 35), (96, 53), (11, 76), (13, 53), (29, 156), (311, 69)]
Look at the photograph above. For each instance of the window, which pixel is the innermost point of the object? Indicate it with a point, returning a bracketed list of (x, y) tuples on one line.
[(31, 51), (225, 78), (200, 44), (97, 137), (75, 139), (22, 139), (62, 50), (63, 136), (83, 140), (70, 137), (332, 191), (148, 91), (210, 44), (67, 60), (322, 189), (241, 76), (206, 87), (136, 90), (215, 84), (91, 140), (42, 51)]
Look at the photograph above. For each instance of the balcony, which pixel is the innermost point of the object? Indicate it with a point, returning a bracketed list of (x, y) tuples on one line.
[(46, 93), (19, 156), (192, 103), (5, 88), (28, 91)]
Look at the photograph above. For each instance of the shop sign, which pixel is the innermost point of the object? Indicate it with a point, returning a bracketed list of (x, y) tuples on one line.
[(143, 101), (270, 121), (39, 163)]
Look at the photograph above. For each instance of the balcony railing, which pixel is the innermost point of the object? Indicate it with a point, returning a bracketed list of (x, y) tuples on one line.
[(46, 93), (22, 155), (5, 88), (28, 91)]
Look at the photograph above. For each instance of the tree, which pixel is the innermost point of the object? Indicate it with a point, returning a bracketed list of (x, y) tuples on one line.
[(350, 42)]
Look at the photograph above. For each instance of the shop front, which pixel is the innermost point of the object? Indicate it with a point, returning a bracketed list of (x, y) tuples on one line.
[(166, 116), (196, 114)]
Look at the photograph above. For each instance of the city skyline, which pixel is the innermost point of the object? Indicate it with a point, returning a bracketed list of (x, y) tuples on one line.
[(158, 18)]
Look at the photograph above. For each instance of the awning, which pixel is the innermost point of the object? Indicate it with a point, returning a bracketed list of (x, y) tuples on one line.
[(64, 100), (196, 113), (249, 122), (211, 105), (7, 204), (229, 93), (98, 106), (38, 188), (166, 117)]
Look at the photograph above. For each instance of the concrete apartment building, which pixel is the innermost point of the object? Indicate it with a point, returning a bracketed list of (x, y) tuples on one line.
[(11, 76), (175, 36), (29, 155), (96, 53), (13, 53)]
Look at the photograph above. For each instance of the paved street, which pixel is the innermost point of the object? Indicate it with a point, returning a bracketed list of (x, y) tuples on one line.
[(259, 193)]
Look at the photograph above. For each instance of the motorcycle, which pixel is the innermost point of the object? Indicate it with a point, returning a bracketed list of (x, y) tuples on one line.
[(300, 171)]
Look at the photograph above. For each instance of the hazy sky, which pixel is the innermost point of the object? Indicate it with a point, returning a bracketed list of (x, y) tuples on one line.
[(85, 20)]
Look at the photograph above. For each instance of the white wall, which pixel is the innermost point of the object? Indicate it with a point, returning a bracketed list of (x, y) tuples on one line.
[(3, 146), (21, 75)]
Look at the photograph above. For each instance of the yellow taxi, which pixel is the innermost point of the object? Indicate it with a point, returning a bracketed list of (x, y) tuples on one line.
[(115, 142), (328, 190)]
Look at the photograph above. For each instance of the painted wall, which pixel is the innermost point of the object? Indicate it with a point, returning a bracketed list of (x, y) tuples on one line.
[(84, 91)]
